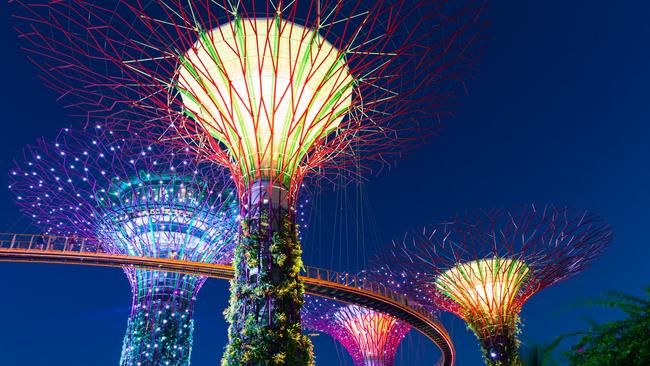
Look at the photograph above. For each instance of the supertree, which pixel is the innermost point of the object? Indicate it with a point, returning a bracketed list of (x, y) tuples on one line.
[(485, 264), (276, 92), (136, 199), (371, 337)]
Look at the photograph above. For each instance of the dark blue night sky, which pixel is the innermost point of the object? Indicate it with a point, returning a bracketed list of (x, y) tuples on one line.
[(558, 112)]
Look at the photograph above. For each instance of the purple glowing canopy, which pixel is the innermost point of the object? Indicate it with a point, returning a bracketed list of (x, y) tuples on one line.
[(137, 198), (371, 337)]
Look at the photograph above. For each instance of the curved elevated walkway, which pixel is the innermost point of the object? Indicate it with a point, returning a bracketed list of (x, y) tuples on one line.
[(319, 282)]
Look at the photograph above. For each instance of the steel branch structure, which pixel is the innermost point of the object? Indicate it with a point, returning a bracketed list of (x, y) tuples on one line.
[(138, 200), (371, 337), (484, 265), (318, 282), (276, 92)]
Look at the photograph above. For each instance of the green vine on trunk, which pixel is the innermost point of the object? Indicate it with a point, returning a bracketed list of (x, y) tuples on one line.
[(266, 296)]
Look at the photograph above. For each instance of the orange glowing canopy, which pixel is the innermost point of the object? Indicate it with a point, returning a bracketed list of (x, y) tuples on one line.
[(267, 89), (487, 287)]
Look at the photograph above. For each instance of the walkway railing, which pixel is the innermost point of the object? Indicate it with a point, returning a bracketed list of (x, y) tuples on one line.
[(349, 280), (318, 281), (49, 242)]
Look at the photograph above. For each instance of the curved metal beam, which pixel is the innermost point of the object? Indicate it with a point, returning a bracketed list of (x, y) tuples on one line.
[(319, 282)]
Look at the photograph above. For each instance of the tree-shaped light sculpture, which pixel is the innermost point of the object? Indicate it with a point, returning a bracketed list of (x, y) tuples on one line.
[(139, 200), (276, 91), (371, 337), (484, 265)]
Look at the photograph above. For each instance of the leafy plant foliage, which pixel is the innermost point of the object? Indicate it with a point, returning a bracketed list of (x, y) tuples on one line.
[(622, 342)]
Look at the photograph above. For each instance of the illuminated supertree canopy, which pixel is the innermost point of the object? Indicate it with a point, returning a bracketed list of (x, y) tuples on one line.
[(142, 200), (484, 265), (371, 337), (276, 92)]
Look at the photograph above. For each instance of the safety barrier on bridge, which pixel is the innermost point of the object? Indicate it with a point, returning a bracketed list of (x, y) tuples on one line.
[(320, 282)]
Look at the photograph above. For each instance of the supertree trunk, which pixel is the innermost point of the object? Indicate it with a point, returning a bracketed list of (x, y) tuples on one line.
[(500, 346), (266, 293), (159, 330)]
